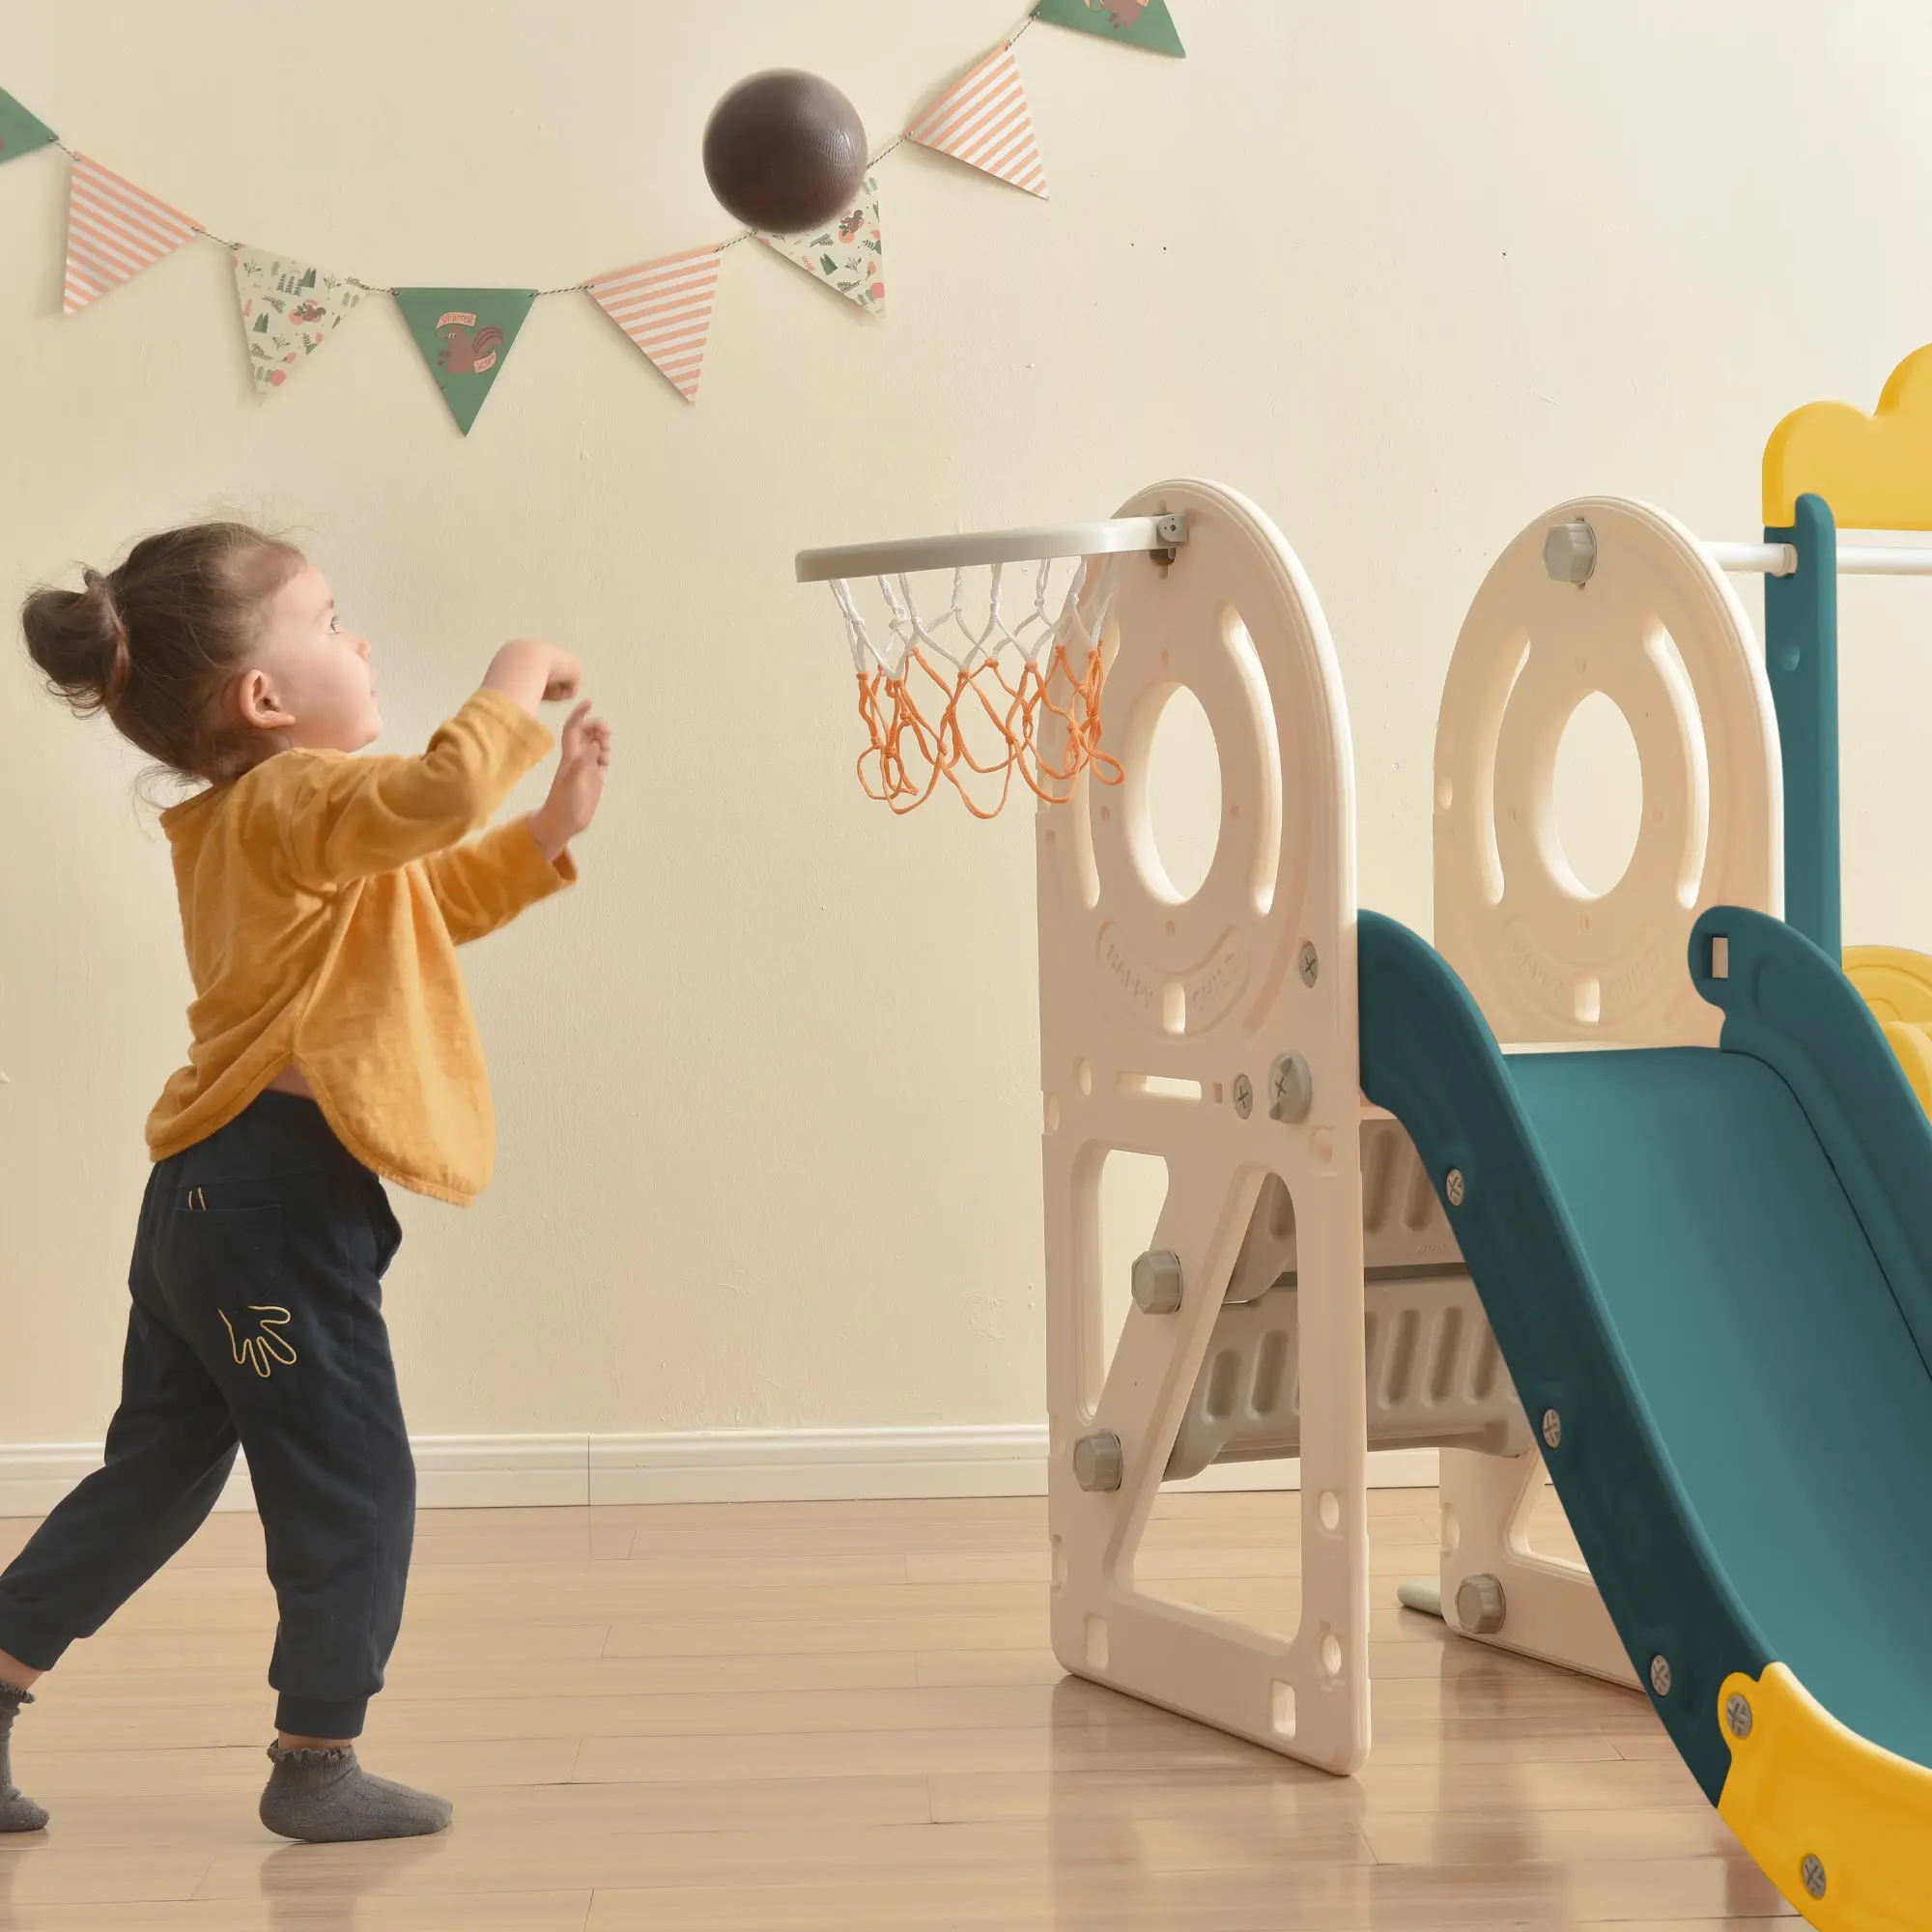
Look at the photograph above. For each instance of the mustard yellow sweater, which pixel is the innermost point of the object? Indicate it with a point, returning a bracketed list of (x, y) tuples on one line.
[(322, 899)]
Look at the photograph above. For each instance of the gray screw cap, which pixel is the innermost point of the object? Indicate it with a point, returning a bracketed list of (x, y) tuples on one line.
[(1480, 1606), (1570, 553), (1098, 1461), (1290, 1089), (1156, 1282)]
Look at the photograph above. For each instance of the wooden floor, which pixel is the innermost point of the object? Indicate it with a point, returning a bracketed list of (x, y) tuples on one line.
[(842, 1716)]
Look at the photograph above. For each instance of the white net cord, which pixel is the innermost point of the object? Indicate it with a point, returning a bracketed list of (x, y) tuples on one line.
[(971, 693)]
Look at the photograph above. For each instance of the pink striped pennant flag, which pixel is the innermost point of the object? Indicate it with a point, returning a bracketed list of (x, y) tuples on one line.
[(665, 307), (986, 121), (114, 230)]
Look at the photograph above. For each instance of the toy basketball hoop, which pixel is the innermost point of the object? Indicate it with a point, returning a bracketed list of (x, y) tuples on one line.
[(992, 662)]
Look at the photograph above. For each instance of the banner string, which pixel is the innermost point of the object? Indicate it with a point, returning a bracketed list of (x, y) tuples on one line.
[(569, 288)]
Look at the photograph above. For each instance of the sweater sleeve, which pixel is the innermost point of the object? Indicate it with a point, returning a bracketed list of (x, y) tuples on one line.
[(486, 882), (353, 817)]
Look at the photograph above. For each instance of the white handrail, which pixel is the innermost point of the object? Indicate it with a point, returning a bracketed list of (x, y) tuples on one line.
[(1854, 560), (1771, 560)]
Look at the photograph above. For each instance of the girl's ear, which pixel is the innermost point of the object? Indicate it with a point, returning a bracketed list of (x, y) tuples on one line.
[(256, 704)]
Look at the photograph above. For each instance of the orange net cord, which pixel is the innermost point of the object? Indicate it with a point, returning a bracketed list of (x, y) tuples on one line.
[(928, 723)]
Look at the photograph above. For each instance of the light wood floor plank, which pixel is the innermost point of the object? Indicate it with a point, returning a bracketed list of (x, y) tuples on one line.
[(845, 1717)]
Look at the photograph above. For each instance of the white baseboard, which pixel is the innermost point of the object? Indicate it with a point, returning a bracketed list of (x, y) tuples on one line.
[(707, 1466)]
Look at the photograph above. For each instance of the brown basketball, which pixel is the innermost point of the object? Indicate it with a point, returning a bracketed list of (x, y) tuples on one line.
[(784, 151)]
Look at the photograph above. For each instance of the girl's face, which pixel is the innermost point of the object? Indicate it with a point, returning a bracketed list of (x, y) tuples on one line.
[(310, 684)]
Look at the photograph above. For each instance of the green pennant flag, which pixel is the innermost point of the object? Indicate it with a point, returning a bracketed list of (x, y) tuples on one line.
[(1146, 23), (20, 133), (466, 336)]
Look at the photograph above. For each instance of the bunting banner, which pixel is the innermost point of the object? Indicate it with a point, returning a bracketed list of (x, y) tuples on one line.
[(1142, 23), (665, 307), (289, 309), (665, 304), (20, 133), (847, 255), (464, 335), (114, 230), (985, 120)]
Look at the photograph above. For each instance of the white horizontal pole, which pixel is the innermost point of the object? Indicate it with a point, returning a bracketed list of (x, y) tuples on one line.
[(1872, 560), (1854, 560), (1770, 559)]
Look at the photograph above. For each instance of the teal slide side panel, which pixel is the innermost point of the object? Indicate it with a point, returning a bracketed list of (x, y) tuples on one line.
[(1786, 1003), (1801, 654), (1429, 1057)]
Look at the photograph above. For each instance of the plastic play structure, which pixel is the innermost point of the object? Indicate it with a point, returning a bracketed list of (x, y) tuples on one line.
[(1830, 465), (1630, 1187)]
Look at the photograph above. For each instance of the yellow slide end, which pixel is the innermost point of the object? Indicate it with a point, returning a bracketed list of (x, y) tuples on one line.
[(1842, 1828), (1897, 986)]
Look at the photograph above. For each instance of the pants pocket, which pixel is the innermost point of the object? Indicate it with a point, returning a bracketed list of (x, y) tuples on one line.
[(222, 1269)]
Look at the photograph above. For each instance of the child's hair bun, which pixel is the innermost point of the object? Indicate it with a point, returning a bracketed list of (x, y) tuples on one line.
[(80, 640), (155, 643)]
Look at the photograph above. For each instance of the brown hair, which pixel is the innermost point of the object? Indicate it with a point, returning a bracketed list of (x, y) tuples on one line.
[(154, 642)]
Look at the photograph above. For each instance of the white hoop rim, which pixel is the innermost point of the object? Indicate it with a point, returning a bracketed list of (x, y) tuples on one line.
[(904, 555)]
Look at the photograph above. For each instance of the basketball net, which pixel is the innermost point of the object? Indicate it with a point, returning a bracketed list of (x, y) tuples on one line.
[(988, 686)]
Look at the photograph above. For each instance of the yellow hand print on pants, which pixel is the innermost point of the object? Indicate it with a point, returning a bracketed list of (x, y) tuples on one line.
[(262, 1349)]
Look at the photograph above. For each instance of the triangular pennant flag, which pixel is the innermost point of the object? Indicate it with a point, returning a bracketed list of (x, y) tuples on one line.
[(1146, 23), (114, 230), (466, 336), (289, 309), (20, 133), (665, 307), (986, 123), (847, 255)]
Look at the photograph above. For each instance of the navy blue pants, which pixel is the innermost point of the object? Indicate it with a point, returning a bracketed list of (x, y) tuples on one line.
[(257, 1283)]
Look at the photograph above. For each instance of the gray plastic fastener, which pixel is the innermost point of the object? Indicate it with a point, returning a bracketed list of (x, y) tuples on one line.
[(1157, 1282), (1552, 1430), (1660, 1674), (1481, 1607), (1244, 1095), (1311, 963), (1737, 1715), (1098, 1462), (1290, 1089), (1570, 553), (1812, 1872)]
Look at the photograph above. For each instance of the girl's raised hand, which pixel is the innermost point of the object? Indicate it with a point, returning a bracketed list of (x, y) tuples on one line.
[(565, 679), (529, 671)]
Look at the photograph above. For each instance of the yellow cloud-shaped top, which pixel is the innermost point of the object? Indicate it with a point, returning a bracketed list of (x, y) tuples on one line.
[(1875, 470)]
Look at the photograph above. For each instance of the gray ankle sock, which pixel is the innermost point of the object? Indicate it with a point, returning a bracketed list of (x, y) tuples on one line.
[(17, 1813), (324, 1797)]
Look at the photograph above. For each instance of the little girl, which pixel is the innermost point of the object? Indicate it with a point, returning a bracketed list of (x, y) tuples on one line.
[(323, 897)]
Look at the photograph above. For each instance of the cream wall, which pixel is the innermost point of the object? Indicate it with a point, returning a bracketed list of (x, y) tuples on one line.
[(1405, 274)]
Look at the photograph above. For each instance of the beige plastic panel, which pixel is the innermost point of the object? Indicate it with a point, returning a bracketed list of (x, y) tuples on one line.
[(1434, 1375), (1659, 631), (1139, 984), (1402, 1222)]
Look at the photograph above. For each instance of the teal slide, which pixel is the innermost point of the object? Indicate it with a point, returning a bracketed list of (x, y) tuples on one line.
[(1709, 1271)]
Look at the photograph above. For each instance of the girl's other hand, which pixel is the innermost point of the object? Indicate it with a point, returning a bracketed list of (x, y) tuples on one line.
[(578, 789)]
